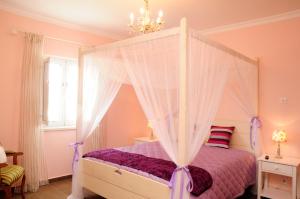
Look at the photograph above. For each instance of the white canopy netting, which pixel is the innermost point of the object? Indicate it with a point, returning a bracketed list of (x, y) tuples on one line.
[(179, 78)]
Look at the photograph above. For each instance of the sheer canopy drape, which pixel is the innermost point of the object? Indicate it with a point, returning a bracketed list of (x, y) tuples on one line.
[(155, 80), (208, 70), (240, 104), (153, 69), (101, 79), (242, 88)]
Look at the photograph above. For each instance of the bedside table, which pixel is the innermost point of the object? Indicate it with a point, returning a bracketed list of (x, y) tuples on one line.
[(141, 140), (285, 167)]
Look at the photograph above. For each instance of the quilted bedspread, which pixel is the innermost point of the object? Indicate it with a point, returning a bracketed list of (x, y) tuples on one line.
[(231, 170)]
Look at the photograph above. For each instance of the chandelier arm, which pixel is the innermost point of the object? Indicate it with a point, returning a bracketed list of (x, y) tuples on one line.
[(146, 4)]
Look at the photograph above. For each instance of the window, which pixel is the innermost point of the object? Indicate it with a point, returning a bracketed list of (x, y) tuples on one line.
[(60, 92)]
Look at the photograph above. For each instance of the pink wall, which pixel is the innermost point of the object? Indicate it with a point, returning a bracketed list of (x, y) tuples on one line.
[(125, 119), (58, 154), (278, 47)]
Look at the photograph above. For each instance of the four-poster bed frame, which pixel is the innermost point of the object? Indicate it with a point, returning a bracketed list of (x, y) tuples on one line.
[(114, 183)]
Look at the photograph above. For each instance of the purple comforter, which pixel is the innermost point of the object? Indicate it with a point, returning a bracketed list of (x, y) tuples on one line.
[(232, 170), (154, 166)]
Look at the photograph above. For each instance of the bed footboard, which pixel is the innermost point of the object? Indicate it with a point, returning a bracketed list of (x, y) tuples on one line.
[(113, 183)]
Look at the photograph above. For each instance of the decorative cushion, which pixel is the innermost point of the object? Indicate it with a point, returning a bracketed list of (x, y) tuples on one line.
[(11, 173), (220, 136)]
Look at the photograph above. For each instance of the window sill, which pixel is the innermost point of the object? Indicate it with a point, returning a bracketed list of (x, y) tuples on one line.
[(58, 128)]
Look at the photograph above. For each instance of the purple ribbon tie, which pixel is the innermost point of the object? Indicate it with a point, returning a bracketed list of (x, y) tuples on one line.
[(172, 182), (76, 153), (255, 124)]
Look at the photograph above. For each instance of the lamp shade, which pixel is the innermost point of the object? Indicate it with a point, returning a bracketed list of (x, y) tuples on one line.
[(3, 158), (279, 136)]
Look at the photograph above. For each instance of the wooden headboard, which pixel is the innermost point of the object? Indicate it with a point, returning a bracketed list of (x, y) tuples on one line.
[(241, 136)]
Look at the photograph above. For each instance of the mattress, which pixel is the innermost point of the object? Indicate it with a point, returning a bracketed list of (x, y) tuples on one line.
[(232, 170)]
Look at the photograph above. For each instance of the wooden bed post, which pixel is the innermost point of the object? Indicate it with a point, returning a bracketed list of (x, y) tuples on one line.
[(183, 99), (182, 93), (79, 109), (79, 90)]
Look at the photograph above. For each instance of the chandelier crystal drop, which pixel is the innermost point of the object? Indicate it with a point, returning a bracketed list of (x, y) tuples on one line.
[(144, 24)]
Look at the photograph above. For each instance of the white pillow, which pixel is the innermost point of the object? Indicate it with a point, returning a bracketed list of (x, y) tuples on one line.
[(3, 158)]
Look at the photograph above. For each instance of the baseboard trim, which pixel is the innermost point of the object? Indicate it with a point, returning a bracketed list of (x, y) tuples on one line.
[(60, 178)]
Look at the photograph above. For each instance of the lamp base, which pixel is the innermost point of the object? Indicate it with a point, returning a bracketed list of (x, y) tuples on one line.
[(278, 156), (151, 135)]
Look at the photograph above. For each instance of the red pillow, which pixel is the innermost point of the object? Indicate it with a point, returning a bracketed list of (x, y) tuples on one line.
[(220, 136)]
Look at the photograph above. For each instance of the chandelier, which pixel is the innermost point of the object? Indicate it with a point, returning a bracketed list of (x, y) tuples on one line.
[(144, 24)]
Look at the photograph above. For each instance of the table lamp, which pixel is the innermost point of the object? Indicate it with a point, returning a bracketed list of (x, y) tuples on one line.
[(149, 125), (279, 136), (3, 158)]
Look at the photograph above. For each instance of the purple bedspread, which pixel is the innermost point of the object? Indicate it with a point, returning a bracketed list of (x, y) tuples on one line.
[(232, 170), (154, 166)]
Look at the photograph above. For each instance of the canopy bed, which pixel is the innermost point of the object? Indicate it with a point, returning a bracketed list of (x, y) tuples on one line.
[(180, 78)]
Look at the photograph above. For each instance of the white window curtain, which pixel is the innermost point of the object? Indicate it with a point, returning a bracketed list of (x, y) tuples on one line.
[(31, 137), (102, 77)]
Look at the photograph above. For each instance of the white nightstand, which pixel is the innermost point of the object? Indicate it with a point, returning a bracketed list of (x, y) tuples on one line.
[(141, 140), (286, 167)]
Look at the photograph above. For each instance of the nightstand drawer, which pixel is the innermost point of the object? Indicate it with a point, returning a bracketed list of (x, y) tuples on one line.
[(277, 168)]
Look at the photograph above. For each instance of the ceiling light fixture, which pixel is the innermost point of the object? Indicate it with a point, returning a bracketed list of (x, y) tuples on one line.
[(144, 24)]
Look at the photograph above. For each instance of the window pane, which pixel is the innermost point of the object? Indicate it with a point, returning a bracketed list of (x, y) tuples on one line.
[(71, 92), (55, 99), (62, 92)]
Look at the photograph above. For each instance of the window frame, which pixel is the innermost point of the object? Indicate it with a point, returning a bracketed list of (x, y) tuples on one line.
[(63, 124)]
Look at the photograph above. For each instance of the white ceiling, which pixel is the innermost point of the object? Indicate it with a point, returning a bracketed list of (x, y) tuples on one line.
[(111, 16)]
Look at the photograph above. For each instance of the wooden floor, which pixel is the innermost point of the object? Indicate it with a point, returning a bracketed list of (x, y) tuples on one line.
[(57, 190), (61, 189)]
